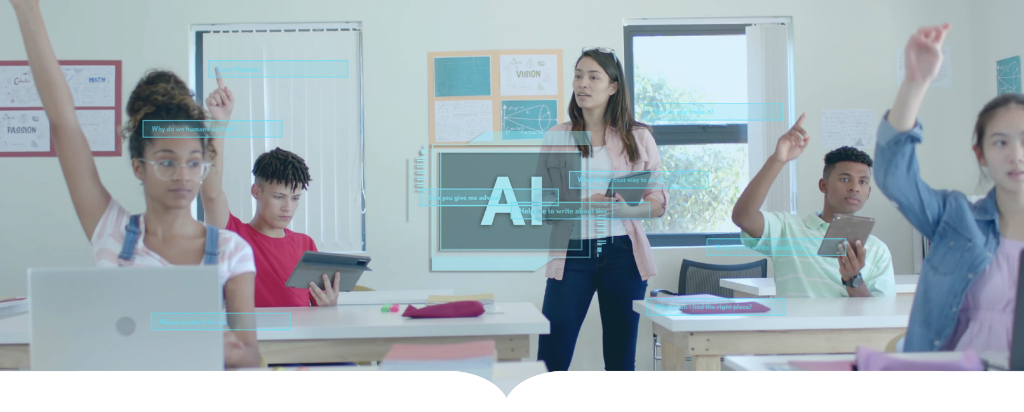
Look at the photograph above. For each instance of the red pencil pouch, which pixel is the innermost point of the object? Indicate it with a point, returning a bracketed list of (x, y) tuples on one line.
[(724, 308), (460, 309)]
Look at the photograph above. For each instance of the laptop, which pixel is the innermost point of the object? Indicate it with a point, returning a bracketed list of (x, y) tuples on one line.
[(102, 319)]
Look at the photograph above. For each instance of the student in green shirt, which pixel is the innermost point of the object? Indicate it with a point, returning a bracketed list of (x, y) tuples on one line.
[(792, 242)]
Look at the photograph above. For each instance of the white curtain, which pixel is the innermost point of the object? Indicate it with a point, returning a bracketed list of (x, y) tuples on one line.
[(321, 120), (769, 79)]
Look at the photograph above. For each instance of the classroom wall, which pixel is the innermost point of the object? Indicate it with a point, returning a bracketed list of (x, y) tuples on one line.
[(844, 59), (1000, 35)]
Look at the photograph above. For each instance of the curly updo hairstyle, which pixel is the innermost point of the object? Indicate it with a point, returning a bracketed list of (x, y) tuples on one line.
[(161, 95)]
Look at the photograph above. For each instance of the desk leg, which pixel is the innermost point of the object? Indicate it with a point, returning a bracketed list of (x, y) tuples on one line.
[(707, 363), (14, 357), (674, 348), (738, 294)]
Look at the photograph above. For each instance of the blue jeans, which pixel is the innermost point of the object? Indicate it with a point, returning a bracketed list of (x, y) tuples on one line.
[(616, 279)]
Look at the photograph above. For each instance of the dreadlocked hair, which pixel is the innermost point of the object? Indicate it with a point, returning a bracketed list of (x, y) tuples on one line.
[(282, 166)]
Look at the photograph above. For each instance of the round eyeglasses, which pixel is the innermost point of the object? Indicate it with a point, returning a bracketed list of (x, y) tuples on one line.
[(168, 169)]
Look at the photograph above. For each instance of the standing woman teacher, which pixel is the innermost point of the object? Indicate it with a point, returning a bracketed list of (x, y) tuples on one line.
[(619, 268)]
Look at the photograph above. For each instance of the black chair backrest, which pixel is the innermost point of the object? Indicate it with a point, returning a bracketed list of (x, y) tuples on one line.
[(697, 278)]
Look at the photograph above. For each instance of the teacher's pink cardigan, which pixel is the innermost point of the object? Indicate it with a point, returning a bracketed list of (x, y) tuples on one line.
[(650, 159)]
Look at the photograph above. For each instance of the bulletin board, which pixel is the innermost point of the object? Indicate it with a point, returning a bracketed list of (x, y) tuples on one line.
[(96, 89), (493, 96)]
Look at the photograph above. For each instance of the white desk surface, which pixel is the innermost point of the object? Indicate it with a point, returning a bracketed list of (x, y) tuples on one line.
[(765, 363), (367, 321), (766, 286), (362, 321), (800, 314), (906, 283), (507, 375), (387, 297)]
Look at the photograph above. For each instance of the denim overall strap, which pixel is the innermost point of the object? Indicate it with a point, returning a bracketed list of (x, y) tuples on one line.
[(211, 251), (131, 238)]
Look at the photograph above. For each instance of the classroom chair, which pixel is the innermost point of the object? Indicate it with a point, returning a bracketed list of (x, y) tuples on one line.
[(696, 278)]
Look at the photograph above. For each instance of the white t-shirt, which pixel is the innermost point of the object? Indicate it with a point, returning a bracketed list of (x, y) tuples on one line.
[(234, 258), (600, 171)]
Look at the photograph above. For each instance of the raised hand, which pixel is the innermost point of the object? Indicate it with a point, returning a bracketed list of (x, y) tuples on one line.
[(923, 54), (220, 102), (793, 143), (19, 3)]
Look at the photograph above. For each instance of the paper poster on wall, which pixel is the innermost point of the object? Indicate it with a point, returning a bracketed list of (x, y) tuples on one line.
[(462, 76), (95, 87), (529, 75), (91, 86), (945, 77), (527, 119), (1008, 75), (99, 127), (475, 83), (24, 131), (462, 120), (855, 128)]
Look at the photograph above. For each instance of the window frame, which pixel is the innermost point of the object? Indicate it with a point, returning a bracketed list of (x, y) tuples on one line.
[(665, 135), (195, 75)]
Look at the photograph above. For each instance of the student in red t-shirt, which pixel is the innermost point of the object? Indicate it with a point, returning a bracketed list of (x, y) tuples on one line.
[(281, 176)]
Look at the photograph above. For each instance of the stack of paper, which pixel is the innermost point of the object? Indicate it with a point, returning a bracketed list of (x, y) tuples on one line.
[(486, 298), (476, 358), (13, 306)]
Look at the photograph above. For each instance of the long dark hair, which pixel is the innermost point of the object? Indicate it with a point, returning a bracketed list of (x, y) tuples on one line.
[(618, 114), (161, 95)]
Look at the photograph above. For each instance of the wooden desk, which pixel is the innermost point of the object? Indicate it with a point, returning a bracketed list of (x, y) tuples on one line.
[(769, 363), (765, 287), (834, 325), (350, 333), (507, 375)]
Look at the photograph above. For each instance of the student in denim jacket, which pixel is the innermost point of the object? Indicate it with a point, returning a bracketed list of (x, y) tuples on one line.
[(966, 295)]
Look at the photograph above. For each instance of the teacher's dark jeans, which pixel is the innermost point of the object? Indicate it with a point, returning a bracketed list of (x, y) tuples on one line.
[(615, 277)]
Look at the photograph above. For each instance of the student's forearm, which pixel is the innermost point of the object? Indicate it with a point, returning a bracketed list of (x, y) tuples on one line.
[(904, 111), (748, 206), (213, 184), (861, 292), (252, 356)]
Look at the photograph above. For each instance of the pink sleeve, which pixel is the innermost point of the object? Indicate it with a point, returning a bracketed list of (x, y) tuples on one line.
[(653, 164), (238, 256), (114, 219)]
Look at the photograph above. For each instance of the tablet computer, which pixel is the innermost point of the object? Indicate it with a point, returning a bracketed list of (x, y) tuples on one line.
[(631, 187), (313, 265), (849, 227)]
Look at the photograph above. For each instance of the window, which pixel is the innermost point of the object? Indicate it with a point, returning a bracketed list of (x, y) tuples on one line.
[(321, 117), (690, 83)]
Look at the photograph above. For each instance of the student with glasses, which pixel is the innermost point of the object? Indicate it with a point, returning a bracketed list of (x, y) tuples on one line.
[(170, 170), (615, 264)]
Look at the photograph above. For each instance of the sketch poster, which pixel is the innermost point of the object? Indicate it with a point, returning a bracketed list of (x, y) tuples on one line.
[(529, 75)]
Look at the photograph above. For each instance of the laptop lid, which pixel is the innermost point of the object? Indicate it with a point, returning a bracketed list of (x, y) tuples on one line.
[(1017, 341), (126, 319)]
